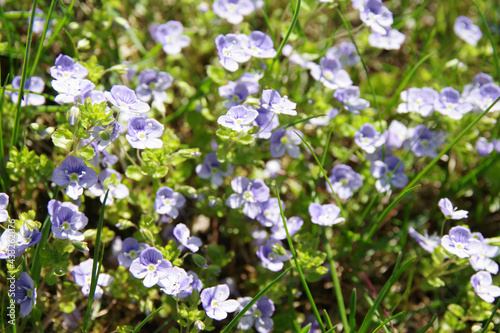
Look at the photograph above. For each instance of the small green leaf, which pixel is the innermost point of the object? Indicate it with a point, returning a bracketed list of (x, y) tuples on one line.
[(67, 307), (86, 153), (62, 138), (217, 74), (133, 172), (199, 260)]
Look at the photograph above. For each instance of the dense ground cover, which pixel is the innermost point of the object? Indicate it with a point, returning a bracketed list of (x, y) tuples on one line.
[(249, 165)]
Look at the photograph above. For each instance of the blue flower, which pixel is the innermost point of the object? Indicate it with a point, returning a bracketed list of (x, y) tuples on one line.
[(267, 121), (330, 73), (260, 45), (238, 118), (467, 31), (25, 294), (215, 302), (144, 133), (392, 39), (152, 84), (210, 168), (176, 282), (182, 234), (418, 100), (170, 36), (272, 101), (428, 243), (66, 220), (237, 91), (344, 181), (125, 100), (150, 266), (270, 259), (4, 202), (32, 84), (345, 52), (285, 141), (259, 314), (325, 214), (250, 194), (350, 99), (423, 142), (195, 284), (482, 261), (387, 175), (71, 90), (65, 68), (231, 50), (376, 16), (368, 138), (451, 104), (270, 214), (233, 10), (82, 274), (461, 243), (482, 284), (168, 202), (76, 174), (293, 225), (451, 212), (131, 249)]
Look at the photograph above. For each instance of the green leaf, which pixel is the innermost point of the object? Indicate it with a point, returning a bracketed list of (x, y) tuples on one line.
[(133, 172), (51, 278), (62, 138), (217, 74), (457, 310), (200, 261), (86, 153), (306, 329), (67, 307)]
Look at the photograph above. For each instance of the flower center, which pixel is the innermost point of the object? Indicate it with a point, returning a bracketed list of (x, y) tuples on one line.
[(132, 254), (248, 196), (66, 226), (74, 177), (151, 267)]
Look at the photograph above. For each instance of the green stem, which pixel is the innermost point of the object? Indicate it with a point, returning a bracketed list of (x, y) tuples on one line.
[(42, 37)]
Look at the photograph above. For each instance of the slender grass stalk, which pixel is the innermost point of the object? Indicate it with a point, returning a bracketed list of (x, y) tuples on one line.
[(299, 269), (137, 329), (59, 26), (396, 273), (490, 37), (352, 314), (382, 324), (42, 37), (268, 24), (490, 319), (261, 293), (36, 265), (95, 272), (17, 117), (433, 319), (328, 322)]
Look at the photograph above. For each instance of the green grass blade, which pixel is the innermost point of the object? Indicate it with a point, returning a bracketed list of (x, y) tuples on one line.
[(429, 324), (398, 270), (485, 328), (352, 313), (382, 324), (59, 27), (42, 37), (146, 320), (261, 293), (490, 37), (299, 269), (17, 117), (95, 272)]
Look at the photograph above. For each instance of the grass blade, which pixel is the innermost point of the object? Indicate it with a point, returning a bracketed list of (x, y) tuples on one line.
[(42, 37), (261, 293), (429, 324), (382, 324), (485, 328), (146, 320), (490, 37), (352, 313), (95, 271)]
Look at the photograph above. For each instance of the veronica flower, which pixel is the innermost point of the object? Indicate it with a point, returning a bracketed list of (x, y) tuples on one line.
[(451, 212), (65, 68), (392, 39), (387, 175), (285, 141), (152, 84), (105, 135), (71, 90), (325, 214), (182, 234), (272, 101), (484, 97), (330, 73), (170, 36), (4, 202), (418, 100), (125, 100), (482, 260), (15, 243), (116, 190), (270, 259), (344, 181), (175, 282), (233, 10), (267, 121), (395, 135), (470, 91), (350, 98), (467, 31), (66, 220), (250, 194), (259, 314), (368, 138), (460, 242), (345, 52), (39, 21), (324, 120), (25, 293), (484, 147), (195, 284), (131, 249), (150, 266), (238, 118), (273, 169), (237, 91), (423, 142), (76, 174), (168, 202), (482, 284), (293, 225), (144, 133), (451, 104), (215, 302), (260, 45), (31, 84), (82, 274), (231, 50), (270, 213), (428, 243), (210, 168), (376, 16)]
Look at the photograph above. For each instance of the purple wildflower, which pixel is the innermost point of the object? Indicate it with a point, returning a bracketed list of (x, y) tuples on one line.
[(170, 36), (215, 302), (125, 100), (460, 242), (482, 260), (237, 91), (272, 101), (76, 174), (350, 99), (451, 104), (451, 212), (376, 16), (395, 135), (131, 249), (285, 141), (484, 147), (65, 68), (231, 50), (195, 284), (66, 220), (392, 39), (260, 45), (250, 194), (482, 283), (428, 243), (25, 294), (270, 214), (233, 10), (325, 214), (423, 142), (238, 118), (210, 168), (4, 202), (387, 174), (293, 225), (175, 282), (467, 31), (116, 190), (344, 181), (32, 84), (368, 138), (324, 120), (82, 274), (267, 121), (345, 52), (330, 73), (152, 84), (418, 100), (144, 133), (71, 90), (168, 202), (182, 234), (150, 266), (483, 97), (269, 257), (259, 314)]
